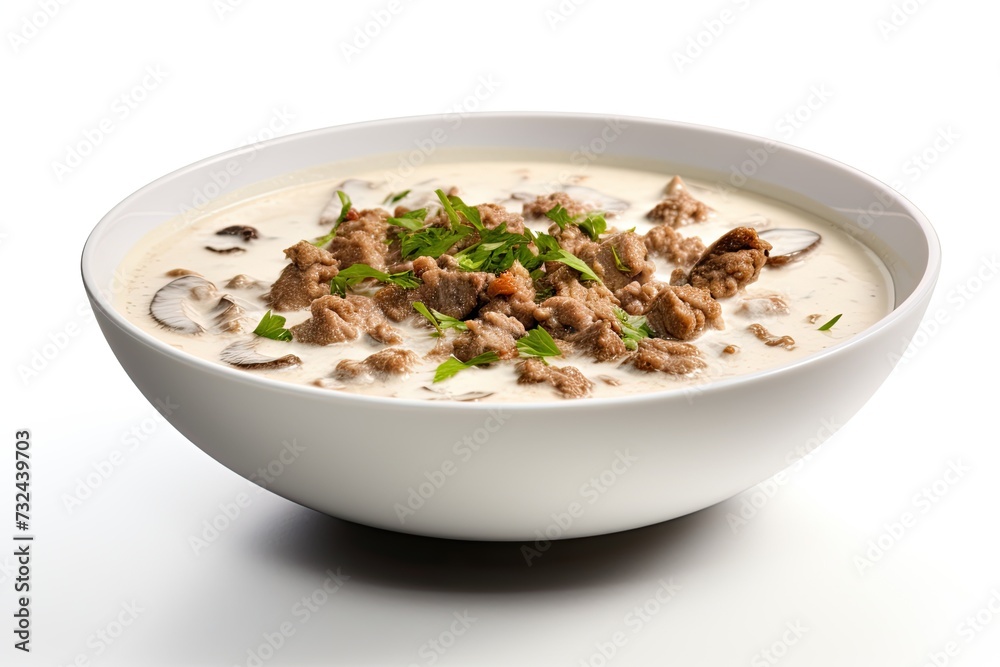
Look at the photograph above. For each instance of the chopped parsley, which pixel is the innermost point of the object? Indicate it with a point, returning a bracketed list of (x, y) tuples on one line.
[(538, 343), (430, 241), (829, 325), (452, 366), (412, 220), (394, 197), (619, 264), (549, 251), (273, 327), (355, 273), (345, 206), (593, 223), (439, 320), (634, 328)]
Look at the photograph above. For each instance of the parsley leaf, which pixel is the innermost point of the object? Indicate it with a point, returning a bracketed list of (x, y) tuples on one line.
[(538, 343), (394, 197), (453, 206), (829, 325), (412, 220), (273, 327), (494, 253), (430, 241), (452, 366), (619, 264), (345, 206), (355, 273), (634, 328), (439, 319), (574, 262), (549, 251), (593, 223)]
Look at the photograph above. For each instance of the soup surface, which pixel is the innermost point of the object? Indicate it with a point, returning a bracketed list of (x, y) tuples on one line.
[(638, 306)]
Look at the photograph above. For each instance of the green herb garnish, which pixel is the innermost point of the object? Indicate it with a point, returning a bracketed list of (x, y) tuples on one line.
[(412, 220), (538, 343), (829, 325), (394, 197), (634, 328), (439, 319), (549, 251), (430, 241), (273, 327), (593, 223), (452, 366), (345, 206), (619, 264), (355, 273)]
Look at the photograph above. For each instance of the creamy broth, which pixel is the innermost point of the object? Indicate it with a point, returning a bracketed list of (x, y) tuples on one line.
[(841, 276)]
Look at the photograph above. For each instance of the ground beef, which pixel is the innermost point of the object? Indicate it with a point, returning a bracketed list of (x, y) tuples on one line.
[(491, 332), (362, 241), (731, 263), (631, 254), (679, 208), (683, 312), (666, 242), (636, 299), (597, 297), (571, 239), (305, 279), (493, 215), (338, 319), (545, 203), (455, 293), (764, 306), (667, 356), (567, 380), (512, 293), (599, 341), (770, 339), (379, 366)]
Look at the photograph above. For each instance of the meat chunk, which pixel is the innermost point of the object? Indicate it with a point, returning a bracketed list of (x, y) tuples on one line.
[(545, 203), (362, 241), (731, 263), (567, 380), (666, 242), (770, 339), (491, 332), (455, 293), (679, 207), (305, 279), (379, 366), (338, 319), (619, 260), (595, 296), (493, 215), (512, 293), (683, 312), (599, 341), (667, 356), (636, 299), (571, 239)]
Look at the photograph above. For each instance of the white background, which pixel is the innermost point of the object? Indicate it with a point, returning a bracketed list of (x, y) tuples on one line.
[(889, 83)]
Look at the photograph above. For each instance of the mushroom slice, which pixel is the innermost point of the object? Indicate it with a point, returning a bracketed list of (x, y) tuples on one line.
[(465, 398), (598, 200), (173, 305), (244, 354), (192, 305), (789, 244), (247, 232), (243, 281)]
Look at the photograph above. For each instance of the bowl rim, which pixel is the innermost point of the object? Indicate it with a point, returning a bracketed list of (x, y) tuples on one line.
[(99, 300)]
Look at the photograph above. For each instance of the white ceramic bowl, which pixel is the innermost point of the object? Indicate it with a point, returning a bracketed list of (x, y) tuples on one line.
[(524, 471)]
